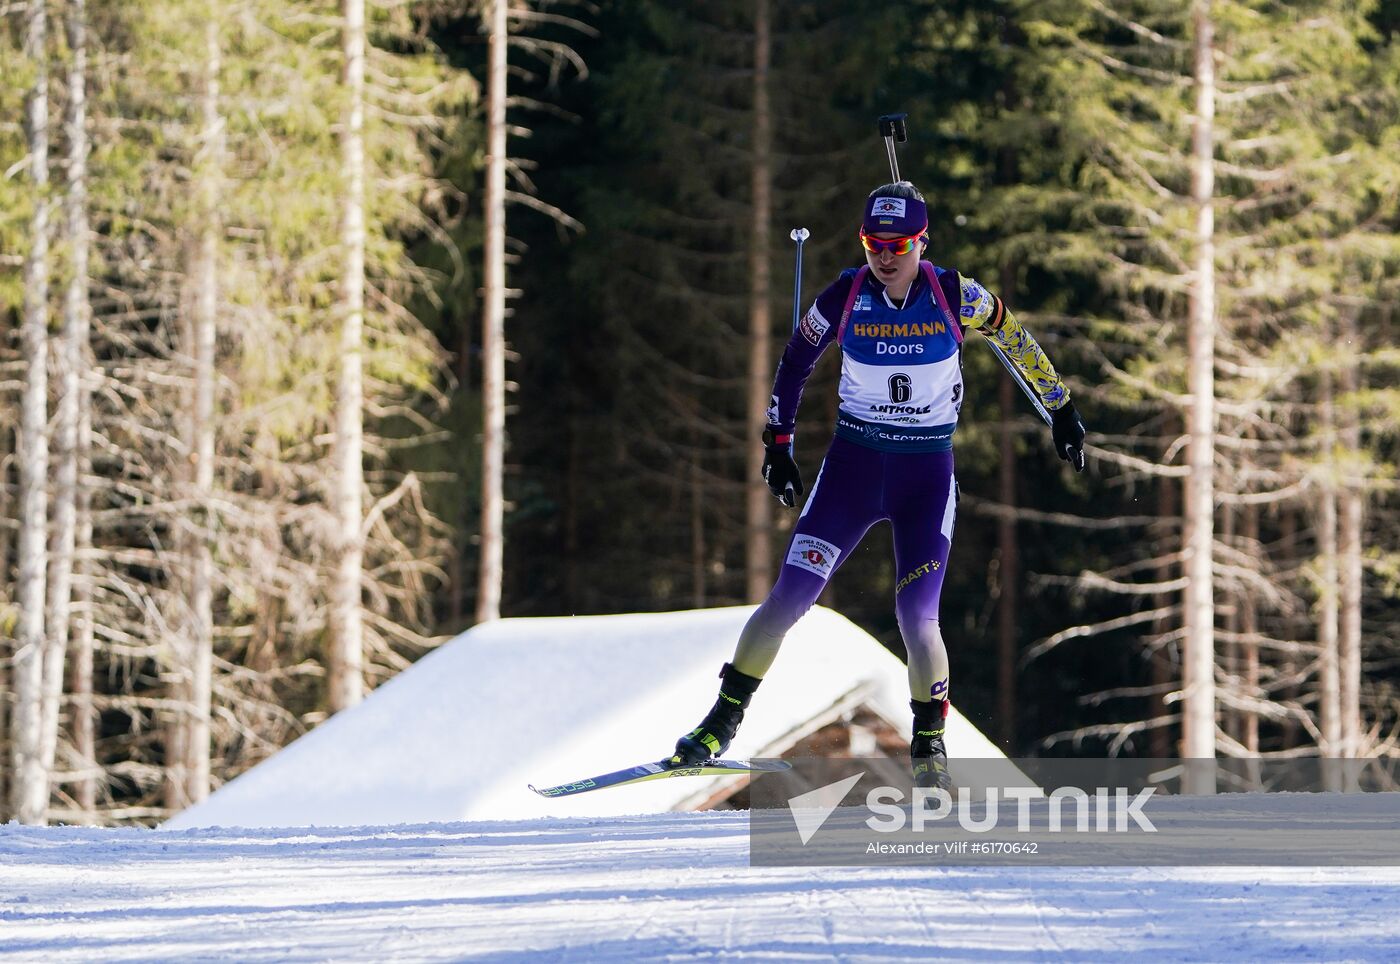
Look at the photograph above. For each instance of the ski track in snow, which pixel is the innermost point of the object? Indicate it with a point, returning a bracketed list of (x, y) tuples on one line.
[(660, 887)]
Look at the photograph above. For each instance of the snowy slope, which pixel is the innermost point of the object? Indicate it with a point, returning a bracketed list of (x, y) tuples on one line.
[(459, 735), (666, 886)]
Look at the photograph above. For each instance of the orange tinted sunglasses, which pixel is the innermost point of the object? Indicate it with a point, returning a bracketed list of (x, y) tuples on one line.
[(896, 246)]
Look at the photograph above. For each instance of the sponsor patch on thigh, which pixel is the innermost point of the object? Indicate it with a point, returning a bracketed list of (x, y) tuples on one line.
[(813, 554)]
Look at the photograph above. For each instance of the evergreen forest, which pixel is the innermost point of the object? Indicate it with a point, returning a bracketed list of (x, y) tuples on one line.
[(330, 329)]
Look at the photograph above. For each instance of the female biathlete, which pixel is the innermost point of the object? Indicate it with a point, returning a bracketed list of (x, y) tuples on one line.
[(899, 322)]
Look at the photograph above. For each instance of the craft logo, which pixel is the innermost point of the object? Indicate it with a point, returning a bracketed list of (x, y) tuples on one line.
[(933, 565), (815, 555)]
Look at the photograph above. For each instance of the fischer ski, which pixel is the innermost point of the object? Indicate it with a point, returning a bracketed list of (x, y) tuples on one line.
[(659, 771)]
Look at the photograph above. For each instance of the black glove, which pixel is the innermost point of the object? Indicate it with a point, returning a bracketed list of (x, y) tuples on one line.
[(1068, 432), (779, 470)]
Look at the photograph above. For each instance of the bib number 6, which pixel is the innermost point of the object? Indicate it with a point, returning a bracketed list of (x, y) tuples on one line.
[(901, 389)]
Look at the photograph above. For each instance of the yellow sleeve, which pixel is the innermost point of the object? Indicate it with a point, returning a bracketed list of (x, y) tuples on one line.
[(988, 314)]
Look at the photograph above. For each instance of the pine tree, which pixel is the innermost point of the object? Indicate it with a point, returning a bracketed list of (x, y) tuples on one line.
[(29, 792), (72, 362), (493, 378), (208, 590), (1289, 197), (345, 638)]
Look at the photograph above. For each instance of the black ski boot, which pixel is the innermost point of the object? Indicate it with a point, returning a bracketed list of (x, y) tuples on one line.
[(926, 751), (711, 738)]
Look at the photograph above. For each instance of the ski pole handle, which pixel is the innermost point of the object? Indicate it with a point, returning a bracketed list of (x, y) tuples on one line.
[(799, 235), (893, 130)]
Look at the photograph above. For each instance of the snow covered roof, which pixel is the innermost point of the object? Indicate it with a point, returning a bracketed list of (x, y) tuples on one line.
[(460, 734)]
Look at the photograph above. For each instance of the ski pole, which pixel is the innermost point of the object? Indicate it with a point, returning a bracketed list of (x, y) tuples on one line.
[(1020, 380), (894, 130), (799, 235)]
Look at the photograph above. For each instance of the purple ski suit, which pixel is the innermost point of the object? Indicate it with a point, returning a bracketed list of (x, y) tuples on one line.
[(892, 455)]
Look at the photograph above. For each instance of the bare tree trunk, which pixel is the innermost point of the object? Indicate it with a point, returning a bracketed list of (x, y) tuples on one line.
[(1329, 691), (493, 348), (84, 710), (345, 627), (1249, 650), (6, 653), (179, 565), (457, 567), (1349, 646), (1292, 731), (1198, 716), (7, 441), (84, 713), (1164, 671), (71, 365), (1234, 592), (198, 664), (30, 787), (759, 507), (1350, 548), (261, 655)]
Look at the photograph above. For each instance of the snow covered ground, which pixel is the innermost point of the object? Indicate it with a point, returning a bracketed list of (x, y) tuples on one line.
[(655, 887)]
